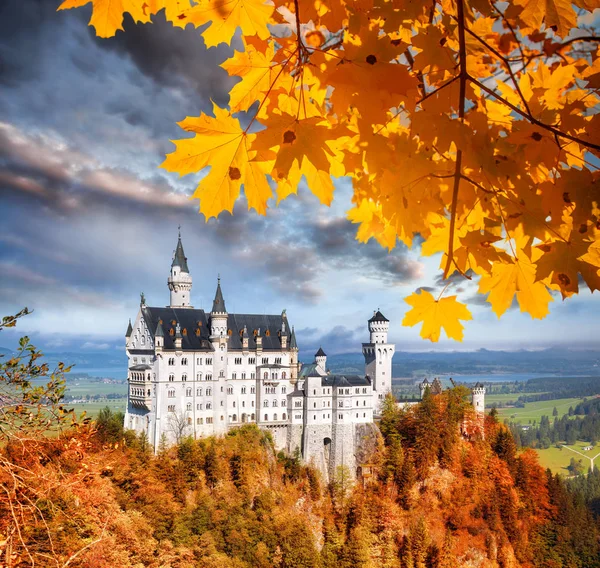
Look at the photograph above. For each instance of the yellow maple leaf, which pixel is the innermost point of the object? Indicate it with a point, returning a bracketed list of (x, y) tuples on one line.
[(258, 73), (556, 14), (508, 279), (107, 15), (226, 16), (436, 314), (221, 144)]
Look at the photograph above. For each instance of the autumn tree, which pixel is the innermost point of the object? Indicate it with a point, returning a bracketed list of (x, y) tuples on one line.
[(471, 123)]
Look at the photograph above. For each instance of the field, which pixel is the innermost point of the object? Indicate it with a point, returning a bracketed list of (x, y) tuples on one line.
[(557, 459), (92, 409), (533, 411), (491, 399)]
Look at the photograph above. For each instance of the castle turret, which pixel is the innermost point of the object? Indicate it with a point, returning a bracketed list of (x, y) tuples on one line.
[(218, 314), (378, 355), (294, 370), (321, 359), (478, 397), (180, 280), (159, 337), (424, 386), (219, 337)]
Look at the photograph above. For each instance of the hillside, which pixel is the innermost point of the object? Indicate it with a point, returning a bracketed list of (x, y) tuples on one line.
[(436, 499)]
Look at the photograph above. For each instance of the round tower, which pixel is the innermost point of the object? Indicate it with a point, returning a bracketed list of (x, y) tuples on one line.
[(180, 280), (379, 326), (478, 397)]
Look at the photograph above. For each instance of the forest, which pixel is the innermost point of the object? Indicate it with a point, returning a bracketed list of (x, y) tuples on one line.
[(444, 491)]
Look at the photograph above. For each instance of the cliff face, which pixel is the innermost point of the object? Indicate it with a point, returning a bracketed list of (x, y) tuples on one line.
[(430, 498)]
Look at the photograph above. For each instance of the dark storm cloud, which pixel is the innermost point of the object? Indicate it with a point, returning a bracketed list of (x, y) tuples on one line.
[(173, 56), (339, 339), (335, 240)]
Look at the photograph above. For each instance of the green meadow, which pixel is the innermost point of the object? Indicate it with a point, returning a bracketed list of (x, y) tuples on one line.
[(557, 459), (533, 411)]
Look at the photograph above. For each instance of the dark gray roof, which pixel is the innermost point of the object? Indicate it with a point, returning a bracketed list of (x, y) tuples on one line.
[(479, 385), (159, 330), (195, 328), (320, 353), (179, 259), (219, 302), (297, 393), (344, 381), (293, 344), (140, 368), (129, 330), (378, 316)]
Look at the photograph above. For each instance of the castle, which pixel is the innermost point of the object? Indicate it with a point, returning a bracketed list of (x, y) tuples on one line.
[(197, 373)]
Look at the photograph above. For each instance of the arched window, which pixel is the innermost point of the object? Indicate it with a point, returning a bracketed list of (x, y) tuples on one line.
[(234, 418), (199, 392), (284, 416), (253, 417), (274, 403), (208, 392), (184, 377), (266, 417), (188, 392), (265, 375), (266, 404), (184, 361), (198, 376), (172, 393), (189, 406), (171, 378), (275, 416), (283, 403)]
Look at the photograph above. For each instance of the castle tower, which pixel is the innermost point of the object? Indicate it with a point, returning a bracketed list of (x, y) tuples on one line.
[(294, 357), (378, 356), (321, 359), (180, 280), (219, 336), (423, 387), (478, 397)]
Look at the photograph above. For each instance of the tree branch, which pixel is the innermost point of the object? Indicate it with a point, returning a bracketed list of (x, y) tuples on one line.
[(532, 119), (461, 115)]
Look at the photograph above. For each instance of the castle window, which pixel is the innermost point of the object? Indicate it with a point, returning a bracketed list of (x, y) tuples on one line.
[(243, 404), (198, 376), (252, 361), (266, 404), (252, 390), (229, 390), (364, 403), (221, 373), (283, 375), (341, 404), (274, 403), (283, 388), (209, 377), (188, 392), (277, 360), (357, 415), (265, 375), (238, 361), (184, 331), (209, 361), (222, 403), (199, 420), (357, 391), (171, 408), (197, 332), (199, 406), (298, 404), (266, 417), (315, 391), (198, 359), (171, 378), (189, 406), (171, 331), (357, 405), (209, 420), (274, 376), (314, 405), (243, 390), (340, 416), (234, 418), (243, 376), (275, 416), (171, 361), (143, 340), (184, 361), (135, 359), (208, 392), (253, 375), (171, 393), (184, 377), (208, 405), (265, 360), (283, 403), (221, 418), (234, 376), (283, 416), (267, 333)]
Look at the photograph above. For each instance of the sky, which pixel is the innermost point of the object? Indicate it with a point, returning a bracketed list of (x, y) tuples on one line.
[(89, 220)]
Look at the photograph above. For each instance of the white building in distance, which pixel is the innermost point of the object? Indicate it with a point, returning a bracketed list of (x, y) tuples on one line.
[(194, 373)]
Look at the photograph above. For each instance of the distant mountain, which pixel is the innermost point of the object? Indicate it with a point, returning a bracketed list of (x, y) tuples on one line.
[(550, 361)]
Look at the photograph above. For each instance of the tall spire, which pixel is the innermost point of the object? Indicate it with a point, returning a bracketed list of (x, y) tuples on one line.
[(179, 258), (129, 330), (293, 344), (219, 302)]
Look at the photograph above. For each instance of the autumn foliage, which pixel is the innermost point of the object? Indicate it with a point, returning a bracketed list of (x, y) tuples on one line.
[(471, 123), (96, 497)]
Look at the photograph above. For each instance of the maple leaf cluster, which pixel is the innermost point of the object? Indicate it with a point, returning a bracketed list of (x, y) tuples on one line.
[(471, 123)]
